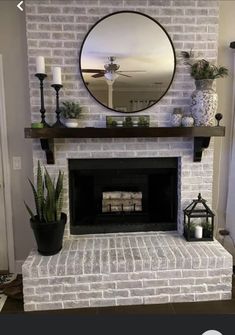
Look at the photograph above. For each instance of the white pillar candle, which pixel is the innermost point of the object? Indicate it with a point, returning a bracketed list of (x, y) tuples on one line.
[(57, 75), (198, 232), (40, 64)]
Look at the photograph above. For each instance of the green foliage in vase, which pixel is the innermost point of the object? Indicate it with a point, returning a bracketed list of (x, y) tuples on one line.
[(114, 123), (48, 197), (70, 109), (110, 122), (143, 121), (207, 229), (191, 229), (203, 69), (128, 122)]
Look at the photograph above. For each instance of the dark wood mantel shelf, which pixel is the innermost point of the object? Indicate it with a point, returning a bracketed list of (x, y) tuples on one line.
[(201, 135)]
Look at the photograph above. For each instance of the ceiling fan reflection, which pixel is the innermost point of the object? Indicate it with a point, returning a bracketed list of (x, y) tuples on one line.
[(111, 70)]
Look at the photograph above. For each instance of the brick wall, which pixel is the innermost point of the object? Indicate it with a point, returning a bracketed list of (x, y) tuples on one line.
[(56, 29)]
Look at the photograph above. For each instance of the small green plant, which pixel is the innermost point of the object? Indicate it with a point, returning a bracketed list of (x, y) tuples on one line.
[(70, 109), (114, 123), (110, 122), (143, 121), (192, 229), (207, 229), (203, 69), (48, 197), (128, 122)]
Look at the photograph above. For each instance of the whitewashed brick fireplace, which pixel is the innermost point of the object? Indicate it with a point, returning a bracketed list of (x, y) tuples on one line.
[(182, 271)]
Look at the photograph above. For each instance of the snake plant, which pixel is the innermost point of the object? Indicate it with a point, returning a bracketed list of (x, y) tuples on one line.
[(48, 197)]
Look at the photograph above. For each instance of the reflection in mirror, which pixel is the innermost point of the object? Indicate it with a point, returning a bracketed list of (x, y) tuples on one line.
[(127, 61)]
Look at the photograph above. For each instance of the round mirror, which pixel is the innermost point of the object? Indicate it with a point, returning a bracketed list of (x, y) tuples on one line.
[(127, 61)]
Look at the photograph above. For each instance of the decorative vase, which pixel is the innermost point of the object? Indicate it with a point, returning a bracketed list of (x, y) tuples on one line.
[(204, 102), (187, 121), (49, 236), (71, 123), (176, 117)]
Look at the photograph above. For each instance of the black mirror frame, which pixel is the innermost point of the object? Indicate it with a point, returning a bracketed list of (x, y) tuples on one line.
[(169, 38)]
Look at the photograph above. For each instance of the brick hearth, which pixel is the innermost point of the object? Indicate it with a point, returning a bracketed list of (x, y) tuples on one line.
[(127, 269)]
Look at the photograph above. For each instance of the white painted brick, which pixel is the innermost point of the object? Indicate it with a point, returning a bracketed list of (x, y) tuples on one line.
[(28, 307), (129, 284), (76, 304), (178, 283), (226, 295), (76, 288), (182, 298), (141, 292), (159, 299), (49, 306), (191, 24), (102, 303), (115, 293), (129, 301), (36, 298), (49, 289), (169, 274), (207, 296)]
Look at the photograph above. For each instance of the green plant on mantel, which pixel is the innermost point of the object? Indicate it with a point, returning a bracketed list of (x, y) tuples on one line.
[(143, 121), (128, 122), (202, 68), (70, 109), (111, 122), (48, 197)]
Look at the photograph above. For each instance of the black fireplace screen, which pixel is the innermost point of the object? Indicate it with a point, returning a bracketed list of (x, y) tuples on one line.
[(120, 195)]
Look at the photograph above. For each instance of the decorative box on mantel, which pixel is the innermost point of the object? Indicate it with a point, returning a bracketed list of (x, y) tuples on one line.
[(198, 221)]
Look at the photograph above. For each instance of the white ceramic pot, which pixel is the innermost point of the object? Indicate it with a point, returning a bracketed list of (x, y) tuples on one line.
[(71, 123), (176, 117), (187, 121), (204, 102)]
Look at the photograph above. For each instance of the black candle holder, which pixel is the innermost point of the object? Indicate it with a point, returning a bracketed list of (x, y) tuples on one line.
[(58, 123), (41, 77), (218, 117)]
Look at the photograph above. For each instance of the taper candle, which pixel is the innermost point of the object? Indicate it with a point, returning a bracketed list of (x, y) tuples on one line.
[(40, 64), (57, 75)]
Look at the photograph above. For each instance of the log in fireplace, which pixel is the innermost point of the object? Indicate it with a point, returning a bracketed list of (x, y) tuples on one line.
[(119, 195)]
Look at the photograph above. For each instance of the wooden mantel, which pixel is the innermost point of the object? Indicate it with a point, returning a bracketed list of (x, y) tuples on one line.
[(201, 135)]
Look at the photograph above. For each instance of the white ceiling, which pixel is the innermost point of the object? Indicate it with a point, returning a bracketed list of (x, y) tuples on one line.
[(137, 42)]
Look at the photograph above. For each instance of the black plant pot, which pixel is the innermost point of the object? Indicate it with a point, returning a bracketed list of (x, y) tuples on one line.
[(49, 236)]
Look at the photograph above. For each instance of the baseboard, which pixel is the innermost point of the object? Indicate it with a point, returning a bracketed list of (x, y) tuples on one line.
[(18, 266)]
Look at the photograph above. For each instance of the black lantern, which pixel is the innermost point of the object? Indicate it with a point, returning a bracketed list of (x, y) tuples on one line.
[(198, 221)]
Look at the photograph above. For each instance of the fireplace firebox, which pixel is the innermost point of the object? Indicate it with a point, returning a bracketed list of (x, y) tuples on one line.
[(120, 195)]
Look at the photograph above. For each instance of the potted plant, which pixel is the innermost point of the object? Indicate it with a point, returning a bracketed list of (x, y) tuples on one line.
[(71, 111), (110, 122), (143, 121), (204, 99), (128, 122), (49, 221)]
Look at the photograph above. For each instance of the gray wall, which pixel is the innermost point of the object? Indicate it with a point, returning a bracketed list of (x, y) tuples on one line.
[(14, 51), (225, 95)]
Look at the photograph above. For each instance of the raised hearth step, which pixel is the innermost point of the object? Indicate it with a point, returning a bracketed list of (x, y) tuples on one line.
[(127, 268)]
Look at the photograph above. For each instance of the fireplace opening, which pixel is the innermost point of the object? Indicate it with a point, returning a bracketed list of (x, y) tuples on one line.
[(120, 195)]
